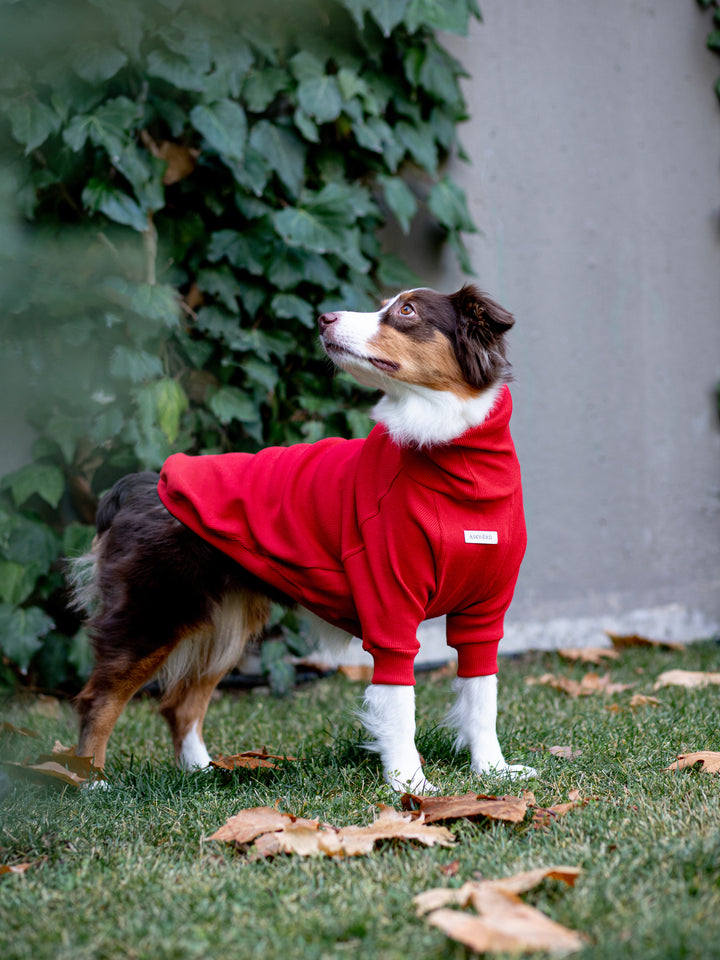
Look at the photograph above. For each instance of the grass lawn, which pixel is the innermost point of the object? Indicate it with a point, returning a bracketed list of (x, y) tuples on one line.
[(125, 872)]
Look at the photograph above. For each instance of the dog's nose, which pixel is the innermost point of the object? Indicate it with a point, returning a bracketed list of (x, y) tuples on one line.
[(326, 319)]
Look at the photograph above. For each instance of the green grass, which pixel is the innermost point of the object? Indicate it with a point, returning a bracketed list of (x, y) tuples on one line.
[(125, 873)]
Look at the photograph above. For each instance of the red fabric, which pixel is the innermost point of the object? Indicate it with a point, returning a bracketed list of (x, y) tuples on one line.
[(371, 536)]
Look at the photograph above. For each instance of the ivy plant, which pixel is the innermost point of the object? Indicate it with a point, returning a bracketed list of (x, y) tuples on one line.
[(713, 38), (186, 186)]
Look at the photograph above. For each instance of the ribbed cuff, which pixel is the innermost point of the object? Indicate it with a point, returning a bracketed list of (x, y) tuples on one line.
[(394, 667), (477, 659)]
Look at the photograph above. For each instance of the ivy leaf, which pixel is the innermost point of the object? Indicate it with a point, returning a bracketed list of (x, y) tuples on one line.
[(32, 122), (261, 88), (20, 632), (223, 125), (101, 197), (400, 199), (238, 248), (163, 402), (386, 13), (288, 306), (320, 98), (176, 70), (300, 228), (43, 479), (230, 403), (448, 203), (439, 75), (283, 152), (451, 16), (17, 581), (419, 142), (134, 365), (155, 301), (97, 63), (306, 66)]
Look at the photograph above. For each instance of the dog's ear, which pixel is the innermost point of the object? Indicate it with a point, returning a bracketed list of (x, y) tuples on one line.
[(479, 341), (482, 315)]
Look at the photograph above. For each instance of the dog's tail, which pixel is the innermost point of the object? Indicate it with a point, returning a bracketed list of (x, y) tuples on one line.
[(82, 571)]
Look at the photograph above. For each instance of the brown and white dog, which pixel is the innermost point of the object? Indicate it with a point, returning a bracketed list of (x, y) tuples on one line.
[(165, 601)]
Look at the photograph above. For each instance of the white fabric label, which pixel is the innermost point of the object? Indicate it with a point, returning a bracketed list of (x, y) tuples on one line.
[(481, 536)]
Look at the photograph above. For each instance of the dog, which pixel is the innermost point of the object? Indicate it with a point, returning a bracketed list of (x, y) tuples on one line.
[(423, 518)]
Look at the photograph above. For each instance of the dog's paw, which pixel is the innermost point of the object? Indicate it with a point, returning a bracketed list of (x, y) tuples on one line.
[(501, 769), (409, 783)]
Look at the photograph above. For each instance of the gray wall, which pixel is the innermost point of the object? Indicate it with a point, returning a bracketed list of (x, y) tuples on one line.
[(595, 180)]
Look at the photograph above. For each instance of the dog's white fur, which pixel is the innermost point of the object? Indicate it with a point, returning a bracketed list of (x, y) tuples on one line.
[(422, 416)]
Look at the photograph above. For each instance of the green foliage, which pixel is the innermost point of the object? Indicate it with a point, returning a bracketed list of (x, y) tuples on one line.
[(713, 38), (186, 187)]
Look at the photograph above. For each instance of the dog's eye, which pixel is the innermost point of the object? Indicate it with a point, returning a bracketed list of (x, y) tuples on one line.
[(407, 310)]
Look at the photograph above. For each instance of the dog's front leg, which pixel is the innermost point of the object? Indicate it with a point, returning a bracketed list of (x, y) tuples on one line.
[(474, 716), (388, 715)]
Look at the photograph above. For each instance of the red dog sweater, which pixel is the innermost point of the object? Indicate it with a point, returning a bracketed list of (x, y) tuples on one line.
[(371, 536)]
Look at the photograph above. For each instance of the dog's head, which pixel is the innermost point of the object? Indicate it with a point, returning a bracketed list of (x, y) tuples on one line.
[(447, 343)]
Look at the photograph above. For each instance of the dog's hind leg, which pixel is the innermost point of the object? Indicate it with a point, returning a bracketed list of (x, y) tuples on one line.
[(104, 696), (474, 717), (197, 665)]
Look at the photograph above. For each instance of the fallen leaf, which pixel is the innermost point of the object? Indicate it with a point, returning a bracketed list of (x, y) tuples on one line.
[(181, 160), (14, 867), (686, 678), (529, 798), (450, 869), (589, 654), (275, 832), (61, 765), (358, 673), (44, 773), (47, 706), (591, 683), (709, 759), (250, 760), (564, 752), (543, 816), (245, 826), (641, 700), (621, 641), (504, 923), (433, 809), (7, 727)]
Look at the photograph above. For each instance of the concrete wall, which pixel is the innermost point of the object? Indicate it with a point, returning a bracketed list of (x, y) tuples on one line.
[(595, 179)]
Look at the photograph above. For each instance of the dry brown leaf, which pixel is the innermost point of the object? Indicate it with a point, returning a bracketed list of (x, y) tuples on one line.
[(47, 706), (249, 760), (505, 923), (245, 826), (686, 678), (621, 641), (543, 816), (7, 727), (564, 752), (591, 683), (433, 809), (14, 867), (709, 759), (450, 869), (641, 700), (181, 160), (357, 673), (589, 654), (529, 798), (48, 772), (62, 765), (275, 832)]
